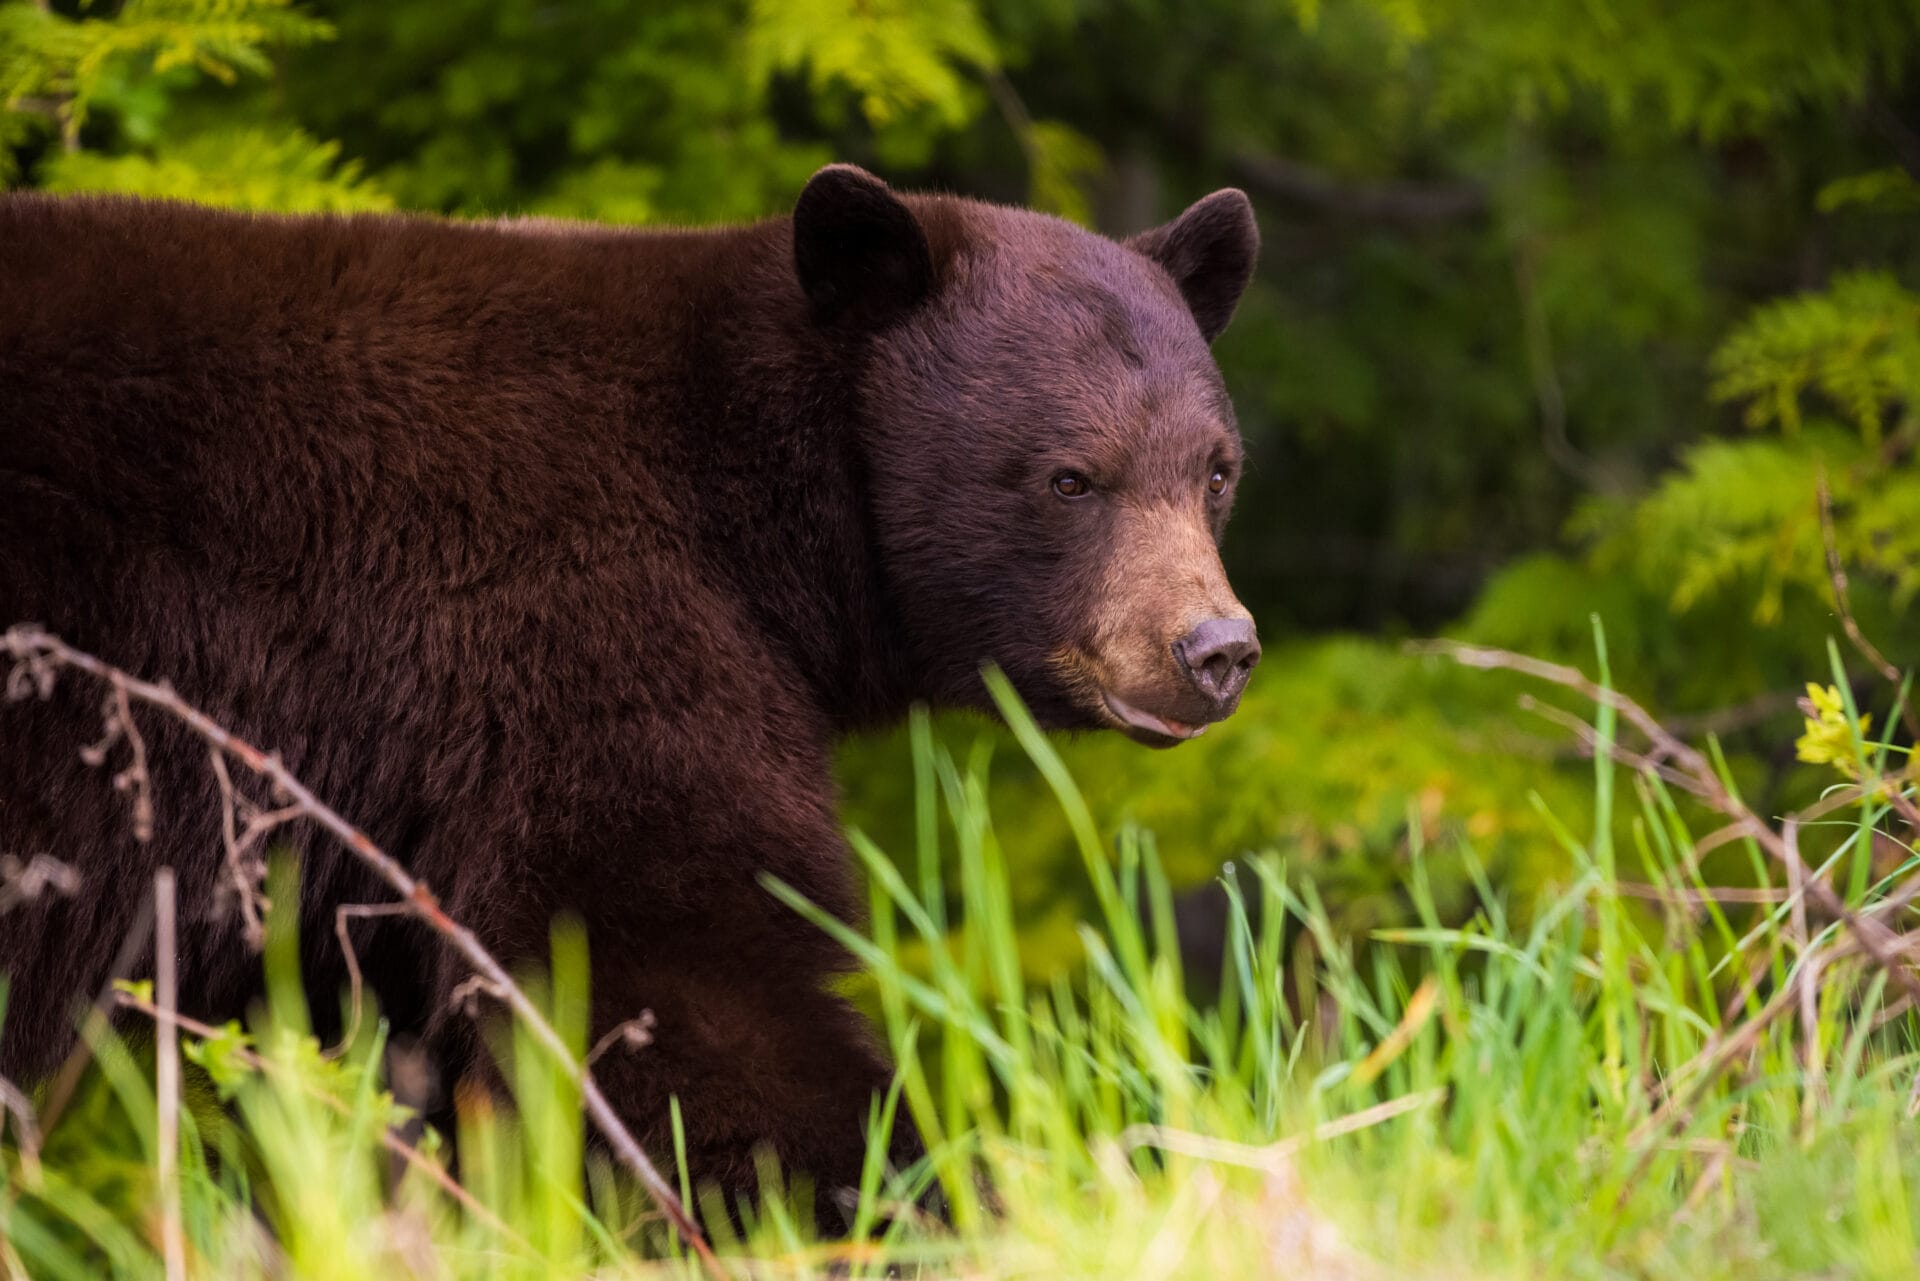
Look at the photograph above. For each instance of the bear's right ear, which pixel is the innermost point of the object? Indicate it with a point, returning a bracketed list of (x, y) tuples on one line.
[(1209, 251), (861, 255)]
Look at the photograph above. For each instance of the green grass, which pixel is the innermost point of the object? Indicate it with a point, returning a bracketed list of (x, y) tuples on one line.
[(1590, 1087)]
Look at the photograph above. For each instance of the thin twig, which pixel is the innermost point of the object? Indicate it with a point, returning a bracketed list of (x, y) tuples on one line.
[(38, 655), (173, 1241), (1809, 990), (1728, 720), (23, 881), (1590, 743), (245, 870), (26, 1127), (1721, 1049), (1837, 579), (1687, 896), (116, 725), (1269, 1155), (93, 1024), (1547, 390), (636, 1034), (344, 913)]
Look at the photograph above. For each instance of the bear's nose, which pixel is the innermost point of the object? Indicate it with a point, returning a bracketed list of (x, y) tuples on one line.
[(1217, 657)]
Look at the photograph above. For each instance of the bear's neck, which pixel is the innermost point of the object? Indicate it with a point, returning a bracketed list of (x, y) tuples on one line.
[(773, 429)]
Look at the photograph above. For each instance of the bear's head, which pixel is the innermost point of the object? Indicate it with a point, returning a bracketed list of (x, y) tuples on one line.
[(1051, 454)]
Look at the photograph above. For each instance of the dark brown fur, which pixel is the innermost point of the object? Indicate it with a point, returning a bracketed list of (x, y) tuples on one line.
[(557, 558)]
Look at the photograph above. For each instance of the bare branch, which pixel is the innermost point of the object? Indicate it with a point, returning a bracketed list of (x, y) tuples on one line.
[(93, 1024), (1268, 1155), (1590, 743), (116, 725), (246, 870), (466, 995), (1686, 896), (26, 1127), (38, 655), (636, 1034), (173, 1241), (350, 912), (23, 882), (1548, 392), (1837, 579)]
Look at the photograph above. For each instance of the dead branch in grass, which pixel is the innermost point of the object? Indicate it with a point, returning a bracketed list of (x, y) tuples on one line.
[(1278, 1153), (1676, 1111), (38, 659), (116, 725), (1590, 743), (173, 1239), (1689, 897), (1867, 930)]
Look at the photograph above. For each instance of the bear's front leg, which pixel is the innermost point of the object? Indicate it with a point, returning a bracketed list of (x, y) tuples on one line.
[(763, 1061)]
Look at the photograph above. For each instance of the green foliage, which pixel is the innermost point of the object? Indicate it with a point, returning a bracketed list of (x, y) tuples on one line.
[(1856, 343), (75, 63), (60, 74), (1722, 67), (1736, 536), (895, 57), (239, 168)]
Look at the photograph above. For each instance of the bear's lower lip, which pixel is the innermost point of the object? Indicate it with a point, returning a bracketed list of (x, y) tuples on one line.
[(1162, 732)]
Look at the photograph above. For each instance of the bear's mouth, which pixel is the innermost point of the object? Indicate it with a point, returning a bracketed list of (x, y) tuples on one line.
[(1145, 727)]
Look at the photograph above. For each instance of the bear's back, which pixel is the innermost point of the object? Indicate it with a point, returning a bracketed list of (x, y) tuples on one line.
[(171, 368)]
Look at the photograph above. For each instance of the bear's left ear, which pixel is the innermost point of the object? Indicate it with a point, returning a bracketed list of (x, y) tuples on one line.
[(1209, 252), (862, 257)]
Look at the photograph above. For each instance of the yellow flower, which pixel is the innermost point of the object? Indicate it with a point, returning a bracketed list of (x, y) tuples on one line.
[(1829, 737)]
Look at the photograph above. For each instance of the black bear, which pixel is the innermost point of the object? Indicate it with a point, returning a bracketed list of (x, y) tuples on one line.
[(557, 557)]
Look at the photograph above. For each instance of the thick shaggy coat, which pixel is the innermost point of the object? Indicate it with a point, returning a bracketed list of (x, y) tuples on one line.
[(557, 557)]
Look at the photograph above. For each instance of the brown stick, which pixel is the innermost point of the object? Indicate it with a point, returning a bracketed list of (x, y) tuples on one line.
[(23, 881), (93, 1023), (245, 871), (173, 1241), (40, 655), (1590, 743), (1687, 896), (15, 1103), (355, 985), (1809, 990), (1837, 579)]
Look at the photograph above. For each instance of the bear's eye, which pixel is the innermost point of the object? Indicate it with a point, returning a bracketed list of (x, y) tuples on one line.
[(1072, 485), (1217, 483)]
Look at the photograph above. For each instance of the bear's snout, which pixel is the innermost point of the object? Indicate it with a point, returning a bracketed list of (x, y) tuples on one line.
[(1217, 657)]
